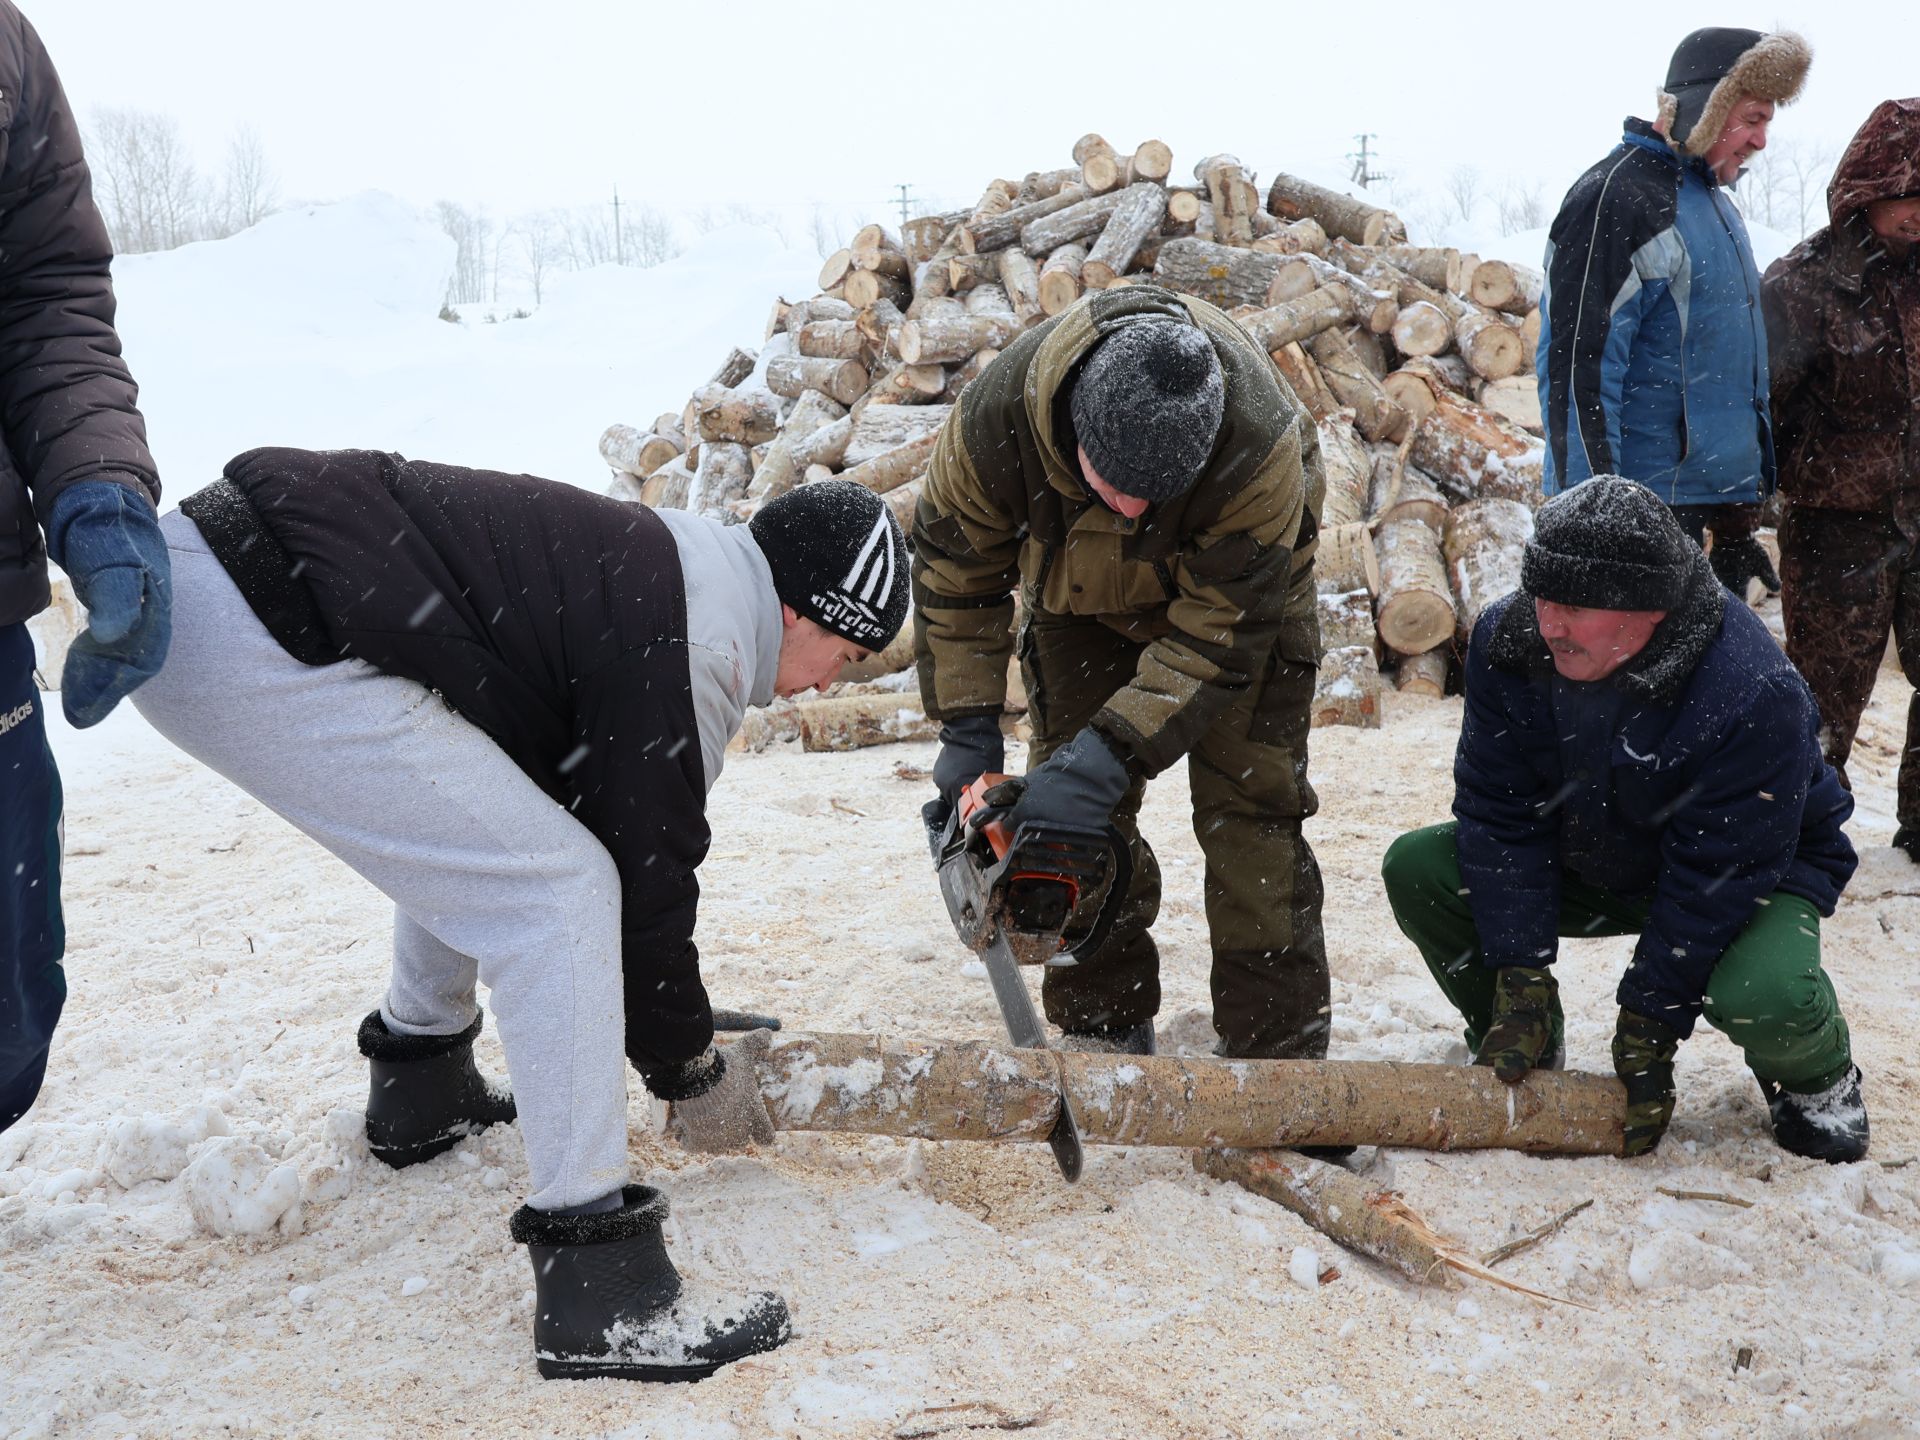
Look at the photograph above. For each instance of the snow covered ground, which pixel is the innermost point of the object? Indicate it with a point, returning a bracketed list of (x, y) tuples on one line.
[(219, 963)]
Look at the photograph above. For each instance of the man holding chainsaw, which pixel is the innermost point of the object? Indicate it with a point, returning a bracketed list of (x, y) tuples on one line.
[(1139, 469)]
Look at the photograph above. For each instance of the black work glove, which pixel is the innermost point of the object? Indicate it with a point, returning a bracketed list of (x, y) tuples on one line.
[(1079, 785), (1643, 1052), (1736, 561), (969, 748), (1522, 1025)]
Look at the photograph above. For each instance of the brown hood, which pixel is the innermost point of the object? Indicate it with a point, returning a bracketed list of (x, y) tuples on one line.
[(1882, 161)]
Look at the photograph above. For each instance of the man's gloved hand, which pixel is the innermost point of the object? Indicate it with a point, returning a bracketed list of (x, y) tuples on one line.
[(1522, 1027), (107, 538), (1643, 1052), (1079, 785), (725, 1112), (969, 748), (1735, 561)]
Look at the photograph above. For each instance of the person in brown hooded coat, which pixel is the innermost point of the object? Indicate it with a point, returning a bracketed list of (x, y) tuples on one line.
[(1843, 323)]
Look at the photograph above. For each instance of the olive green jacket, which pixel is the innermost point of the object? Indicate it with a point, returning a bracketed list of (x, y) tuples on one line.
[(1216, 583)]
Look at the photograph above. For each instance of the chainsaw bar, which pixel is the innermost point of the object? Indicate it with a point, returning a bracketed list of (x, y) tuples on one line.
[(1027, 1033)]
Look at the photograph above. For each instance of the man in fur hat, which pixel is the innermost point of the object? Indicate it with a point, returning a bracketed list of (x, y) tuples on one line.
[(1652, 357), (1638, 758)]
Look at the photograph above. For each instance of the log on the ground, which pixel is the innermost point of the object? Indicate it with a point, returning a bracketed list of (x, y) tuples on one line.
[(1348, 467), (894, 468), (1423, 674), (1415, 384), (1345, 560), (966, 271), (748, 417), (854, 722), (1476, 454), (1060, 277), (1400, 489), (891, 661), (1342, 215), (941, 339), (637, 452), (1360, 1215), (841, 380), (1503, 285), (1081, 220), (1346, 691), (1484, 543), (878, 429), (997, 232), (1222, 275), (1415, 606), (1141, 209), (1374, 415), (973, 1091), (1346, 619), (1515, 399)]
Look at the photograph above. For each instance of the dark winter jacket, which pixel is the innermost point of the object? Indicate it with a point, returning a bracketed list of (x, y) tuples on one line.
[(554, 620), (1692, 777), (1652, 358), (66, 401), (1214, 583), (1843, 316)]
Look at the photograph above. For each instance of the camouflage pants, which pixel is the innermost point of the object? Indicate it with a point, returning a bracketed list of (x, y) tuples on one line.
[(1847, 579), (1262, 887)]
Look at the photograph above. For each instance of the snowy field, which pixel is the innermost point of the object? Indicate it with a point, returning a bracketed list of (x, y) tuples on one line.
[(219, 963)]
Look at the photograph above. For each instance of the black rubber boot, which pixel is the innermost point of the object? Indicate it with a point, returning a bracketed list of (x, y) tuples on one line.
[(425, 1096), (1906, 840), (1829, 1126), (1127, 1040), (610, 1304)]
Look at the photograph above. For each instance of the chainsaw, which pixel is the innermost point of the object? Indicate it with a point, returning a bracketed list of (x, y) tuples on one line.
[(1017, 898)]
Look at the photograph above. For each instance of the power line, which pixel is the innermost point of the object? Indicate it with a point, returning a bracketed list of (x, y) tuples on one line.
[(1363, 175)]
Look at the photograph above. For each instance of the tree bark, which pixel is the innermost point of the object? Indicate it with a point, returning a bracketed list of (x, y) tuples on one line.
[(821, 307), (1477, 455), (1373, 307), (973, 1091), (1295, 321), (997, 232), (1415, 607), (1515, 400), (894, 468), (668, 487), (1020, 278), (1346, 561), (636, 452), (1042, 184), (854, 722), (1346, 689), (1422, 329), (831, 340), (1400, 490), (736, 367), (1348, 467), (725, 472), (1346, 619), (1503, 285), (940, 340), (1433, 267), (1233, 195), (1141, 209), (1375, 416), (1484, 543), (1081, 220), (921, 236), (931, 279), (1060, 277), (868, 287), (1305, 379), (878, 429), (1423, 674), (1219, 274), (750, 417), (1340, 215), (841, 380), (825, 446)]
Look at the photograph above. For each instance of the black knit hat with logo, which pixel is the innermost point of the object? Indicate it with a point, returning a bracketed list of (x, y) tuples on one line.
[(1147, 405), (838, 558), (1608, 544)]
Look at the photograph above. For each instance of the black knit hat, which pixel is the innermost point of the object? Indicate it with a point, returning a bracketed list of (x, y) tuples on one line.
[(1712, 68), (1608, 544), (1146, 407), (838, 558)]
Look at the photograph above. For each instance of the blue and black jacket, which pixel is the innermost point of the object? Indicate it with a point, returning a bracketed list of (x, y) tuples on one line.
[(1691, 778), (1652, 358)]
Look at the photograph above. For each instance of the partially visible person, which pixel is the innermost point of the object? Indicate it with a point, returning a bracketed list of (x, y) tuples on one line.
[(1843, 316), (1638, 758), (1652, 358), (503, 701), (77, 485)]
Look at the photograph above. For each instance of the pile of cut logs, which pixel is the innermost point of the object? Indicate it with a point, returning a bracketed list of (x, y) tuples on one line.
[(1414, 362)]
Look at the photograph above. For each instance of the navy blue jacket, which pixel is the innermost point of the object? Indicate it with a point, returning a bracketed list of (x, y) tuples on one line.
[(1652, 361), (1691, 777)]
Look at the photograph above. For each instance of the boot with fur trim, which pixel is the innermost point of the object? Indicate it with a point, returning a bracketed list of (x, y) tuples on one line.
[(609, 1303), (425, 1096)]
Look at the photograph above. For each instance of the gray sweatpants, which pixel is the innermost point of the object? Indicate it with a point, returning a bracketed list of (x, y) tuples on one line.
[(489, 878)]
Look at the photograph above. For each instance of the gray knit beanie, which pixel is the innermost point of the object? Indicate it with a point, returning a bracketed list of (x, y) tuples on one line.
[(1147, 406), (1608, 544)]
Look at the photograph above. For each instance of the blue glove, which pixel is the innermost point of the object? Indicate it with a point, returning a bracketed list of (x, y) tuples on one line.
[(1079, 785), (107, 538)]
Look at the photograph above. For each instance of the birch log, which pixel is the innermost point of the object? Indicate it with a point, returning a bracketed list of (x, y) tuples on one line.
[(854, 722), (1305, 379), (894, 468), (749, 417), (636, 452), (1346, 619), (1219, 274), (1423, 674), (1346, 688), (1484, 542), (1080, 221), (1346, 560), (1020, 278), (1503, 285), (1375, 416), (943, 340), (1340, 215), (1141, 209), (1476, 454), (1060, 277), (668, 487), (724, 474), (1348, 468), (1415, 606), (875, 431), (1293, 321), (736, 367), (841, 380)]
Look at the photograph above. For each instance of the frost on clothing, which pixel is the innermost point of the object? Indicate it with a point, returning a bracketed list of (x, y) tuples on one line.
[(1652, 359), (1692, 777)]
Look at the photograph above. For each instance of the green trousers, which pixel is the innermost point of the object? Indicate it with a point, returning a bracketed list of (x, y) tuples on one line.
[(1250, 792), (1768, 994)]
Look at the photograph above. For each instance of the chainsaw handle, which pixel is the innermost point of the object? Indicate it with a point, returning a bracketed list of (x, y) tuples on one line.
[(973, 802)]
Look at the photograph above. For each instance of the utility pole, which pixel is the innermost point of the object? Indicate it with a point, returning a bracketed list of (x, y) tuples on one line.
[(1363, 174), (619, 249), (903, 205)]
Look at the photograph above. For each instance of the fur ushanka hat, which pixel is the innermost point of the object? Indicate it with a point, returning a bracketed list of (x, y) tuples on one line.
[(1712, 68)]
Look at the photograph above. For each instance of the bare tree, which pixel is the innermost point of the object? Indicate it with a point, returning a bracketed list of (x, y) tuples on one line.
[(828, 234), (145, 183), (649, 237), (471, 231), (1521, 208), (1463, 190), (539, 235), (1786, 186), (250, 191)]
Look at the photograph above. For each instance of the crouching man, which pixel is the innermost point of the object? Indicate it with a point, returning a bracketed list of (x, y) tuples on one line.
[(1638, 757), (502, 701)]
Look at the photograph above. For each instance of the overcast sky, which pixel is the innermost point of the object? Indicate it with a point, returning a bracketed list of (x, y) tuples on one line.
[(519, 106)]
